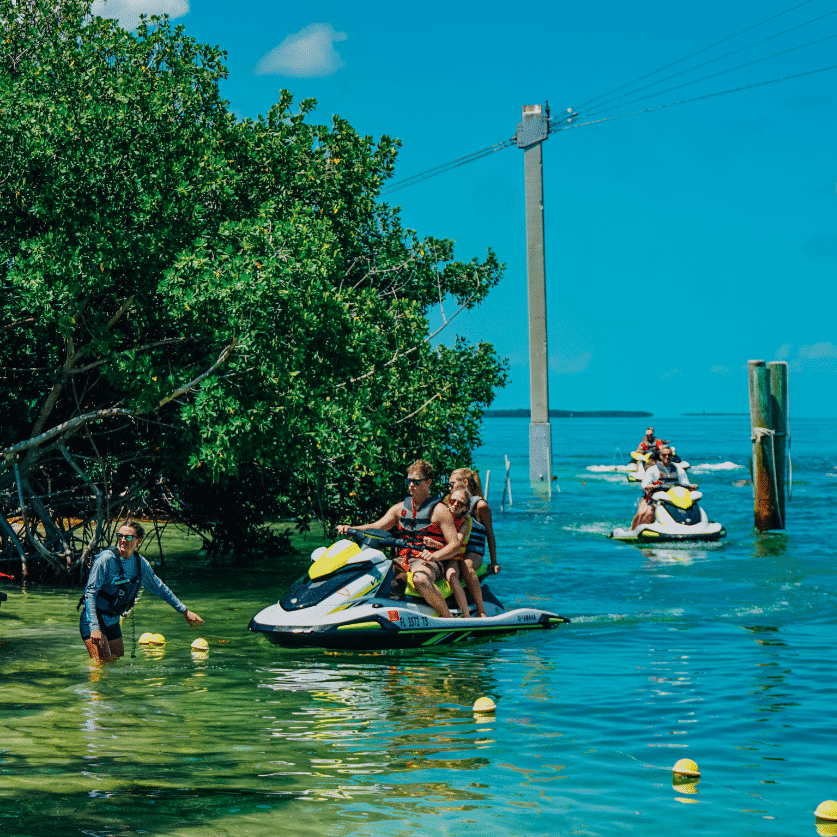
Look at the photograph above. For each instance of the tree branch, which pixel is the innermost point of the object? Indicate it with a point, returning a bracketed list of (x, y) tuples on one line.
[(192, 384), (429, 400)]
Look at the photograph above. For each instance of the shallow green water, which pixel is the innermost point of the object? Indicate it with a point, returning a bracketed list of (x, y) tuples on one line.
[(720, 653)]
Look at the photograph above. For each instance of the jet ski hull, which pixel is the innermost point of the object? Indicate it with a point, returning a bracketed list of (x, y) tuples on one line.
[(348, 600), (390, 626), (654, 534)]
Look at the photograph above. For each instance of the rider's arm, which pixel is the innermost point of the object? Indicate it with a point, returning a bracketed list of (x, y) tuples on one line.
[(651, 476), (444, 520), (389, 520), (683, 479), (483, 511)]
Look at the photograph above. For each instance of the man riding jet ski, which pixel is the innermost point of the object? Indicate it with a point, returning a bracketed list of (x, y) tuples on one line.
[(356, 597), (669, 509), (350, 598)]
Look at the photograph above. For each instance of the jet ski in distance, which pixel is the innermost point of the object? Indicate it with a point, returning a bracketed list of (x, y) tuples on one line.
[(640, 461), (678, 517), (347, 600)]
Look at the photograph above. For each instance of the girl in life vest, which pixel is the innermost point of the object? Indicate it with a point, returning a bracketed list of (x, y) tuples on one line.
[(462, 564), (482, 535)]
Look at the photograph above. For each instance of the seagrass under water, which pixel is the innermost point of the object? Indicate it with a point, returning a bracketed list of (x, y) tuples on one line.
[(722, 653)]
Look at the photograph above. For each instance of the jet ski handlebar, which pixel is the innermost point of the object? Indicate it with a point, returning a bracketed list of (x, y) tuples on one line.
[(379, 538)]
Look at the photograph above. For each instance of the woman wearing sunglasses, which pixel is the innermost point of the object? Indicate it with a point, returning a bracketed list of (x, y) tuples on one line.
[(112, 587)]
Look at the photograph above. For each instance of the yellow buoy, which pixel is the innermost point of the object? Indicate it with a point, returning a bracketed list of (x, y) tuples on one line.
[(827, 811), (484, 704), (145, 639), (686, 767), (157, 639), (200, 644)]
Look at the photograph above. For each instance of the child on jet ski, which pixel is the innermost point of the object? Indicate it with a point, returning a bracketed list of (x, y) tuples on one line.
[(459, 503), (661, 472), (415, 517), (483, 535)]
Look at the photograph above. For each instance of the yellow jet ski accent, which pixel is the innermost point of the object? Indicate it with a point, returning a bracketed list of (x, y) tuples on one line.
[(332, 559)]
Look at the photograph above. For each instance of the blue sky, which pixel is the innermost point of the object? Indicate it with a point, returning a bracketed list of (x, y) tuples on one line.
[(680, 242)]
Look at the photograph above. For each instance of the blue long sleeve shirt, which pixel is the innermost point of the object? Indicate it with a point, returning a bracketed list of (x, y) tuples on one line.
[(110, 572)]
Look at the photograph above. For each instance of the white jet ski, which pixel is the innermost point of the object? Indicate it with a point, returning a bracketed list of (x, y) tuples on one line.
[(347, 600), (639, 462), (678, 518)]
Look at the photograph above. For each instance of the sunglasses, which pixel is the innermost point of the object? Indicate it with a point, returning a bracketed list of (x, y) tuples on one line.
[(128, 538), (457, 504), (411, 481)]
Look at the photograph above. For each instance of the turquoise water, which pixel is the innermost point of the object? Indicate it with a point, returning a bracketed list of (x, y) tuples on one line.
[(723, 653)]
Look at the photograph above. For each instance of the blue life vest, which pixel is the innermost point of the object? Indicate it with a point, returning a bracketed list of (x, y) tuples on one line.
[(476, 542)]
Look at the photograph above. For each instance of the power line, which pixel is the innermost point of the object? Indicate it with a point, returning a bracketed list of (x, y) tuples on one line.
[(711, 75), (692, 55), (712, 60), (698, 98), (445, 167)]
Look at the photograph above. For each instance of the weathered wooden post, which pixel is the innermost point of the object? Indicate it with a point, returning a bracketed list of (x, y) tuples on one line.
[(768, 419), (781, 438)]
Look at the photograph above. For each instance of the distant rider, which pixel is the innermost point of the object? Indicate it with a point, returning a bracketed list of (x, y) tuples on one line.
[(649, 442), (417, 516), (661, 474)]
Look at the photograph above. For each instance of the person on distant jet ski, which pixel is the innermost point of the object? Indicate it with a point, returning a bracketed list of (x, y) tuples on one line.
[(415, 517), (649, 442), (660, 473)]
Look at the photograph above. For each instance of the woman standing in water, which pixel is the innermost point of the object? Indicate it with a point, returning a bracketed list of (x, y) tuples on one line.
[(112, 587)]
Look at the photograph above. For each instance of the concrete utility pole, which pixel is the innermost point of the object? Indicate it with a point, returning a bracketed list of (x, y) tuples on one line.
[(531, 133)]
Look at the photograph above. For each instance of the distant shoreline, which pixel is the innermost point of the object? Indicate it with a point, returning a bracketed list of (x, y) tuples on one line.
[(716, 414), (570, 414)]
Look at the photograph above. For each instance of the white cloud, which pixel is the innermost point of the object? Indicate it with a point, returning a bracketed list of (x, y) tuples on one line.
[(784, 351), (309, 53), (719, 369), (817, 351), (570, 365), (671, 373), (127, 12)]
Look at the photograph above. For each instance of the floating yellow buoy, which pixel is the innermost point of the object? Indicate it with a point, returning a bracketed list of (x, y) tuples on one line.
[(200, 644), (157, 639), (826, 828), (146, 638), (827, 810), (484, 704), (686, 767)]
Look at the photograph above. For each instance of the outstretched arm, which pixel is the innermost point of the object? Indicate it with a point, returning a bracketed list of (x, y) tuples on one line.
[(389, 520)]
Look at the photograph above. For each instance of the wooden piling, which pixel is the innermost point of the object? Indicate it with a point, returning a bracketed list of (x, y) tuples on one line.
[(768, 414), (781, 430)]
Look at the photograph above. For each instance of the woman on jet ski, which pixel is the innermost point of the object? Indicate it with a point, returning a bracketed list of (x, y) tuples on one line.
[(661, 472)]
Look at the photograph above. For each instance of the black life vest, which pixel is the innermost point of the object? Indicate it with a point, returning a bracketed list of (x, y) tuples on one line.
[(414, 526)]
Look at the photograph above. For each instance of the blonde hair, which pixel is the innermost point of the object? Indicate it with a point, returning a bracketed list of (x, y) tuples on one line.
[(463, 491), (471, 480)]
